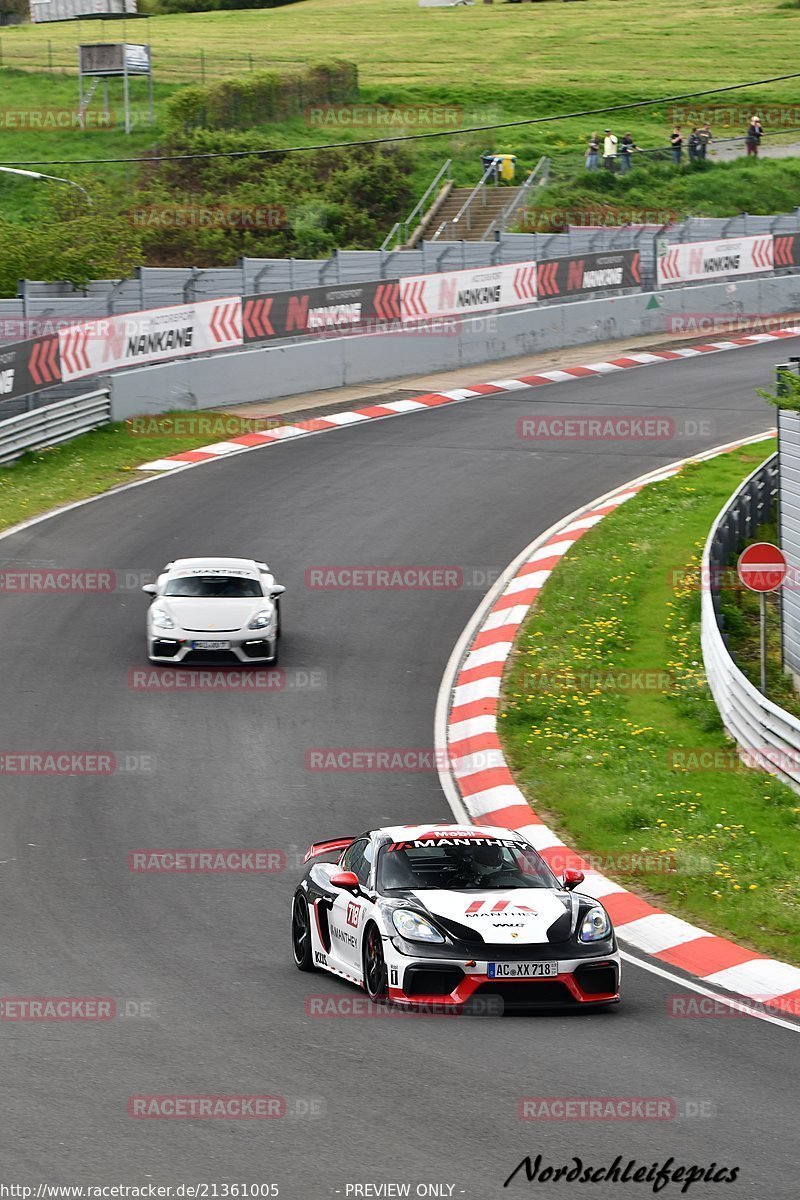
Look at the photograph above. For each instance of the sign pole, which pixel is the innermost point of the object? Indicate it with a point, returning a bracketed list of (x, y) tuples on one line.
[(763, 643)]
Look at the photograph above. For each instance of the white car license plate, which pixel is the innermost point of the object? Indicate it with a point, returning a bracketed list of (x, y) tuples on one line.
[(211, 645), (522, 970)]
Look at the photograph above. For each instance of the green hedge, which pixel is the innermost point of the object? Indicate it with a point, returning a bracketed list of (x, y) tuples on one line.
[(260, 97), (155, 7)]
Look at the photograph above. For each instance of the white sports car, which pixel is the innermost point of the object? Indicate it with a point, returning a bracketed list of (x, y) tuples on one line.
[(214, 610), (441, 914)]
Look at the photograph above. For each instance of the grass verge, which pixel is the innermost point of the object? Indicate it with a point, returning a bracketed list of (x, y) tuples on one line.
[(608, 724), (95, 462)]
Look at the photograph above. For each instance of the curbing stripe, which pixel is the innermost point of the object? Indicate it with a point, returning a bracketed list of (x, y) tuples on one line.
[(487, 791), (394, 408)]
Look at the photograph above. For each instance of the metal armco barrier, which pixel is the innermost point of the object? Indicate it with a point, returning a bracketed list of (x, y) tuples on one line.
[(317, 311), (584, 274), (769, 736), (53, 424)]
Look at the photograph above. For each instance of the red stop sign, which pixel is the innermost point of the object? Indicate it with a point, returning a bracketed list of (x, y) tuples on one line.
[(762, 567)]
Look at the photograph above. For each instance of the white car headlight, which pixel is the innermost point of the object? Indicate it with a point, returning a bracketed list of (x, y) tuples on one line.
[(414, 927), (596, 926), (262, 619), (162, 619)]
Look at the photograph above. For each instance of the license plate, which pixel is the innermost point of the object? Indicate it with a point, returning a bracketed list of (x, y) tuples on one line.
[(211, 645), (522, 970)]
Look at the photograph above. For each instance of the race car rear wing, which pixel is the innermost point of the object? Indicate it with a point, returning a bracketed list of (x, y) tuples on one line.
[(334, 845)]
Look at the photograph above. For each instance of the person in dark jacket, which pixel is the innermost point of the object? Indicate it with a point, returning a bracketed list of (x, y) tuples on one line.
[(626, 149), (753, 138), (676, 145), (693, 145)]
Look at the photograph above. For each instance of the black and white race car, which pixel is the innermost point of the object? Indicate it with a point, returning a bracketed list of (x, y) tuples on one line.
[(441, 914)]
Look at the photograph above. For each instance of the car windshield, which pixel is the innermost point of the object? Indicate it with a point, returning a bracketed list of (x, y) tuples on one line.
[(474, 866), (214, 587)]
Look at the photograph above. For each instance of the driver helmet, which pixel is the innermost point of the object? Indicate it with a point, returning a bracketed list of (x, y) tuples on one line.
[(487, 860)]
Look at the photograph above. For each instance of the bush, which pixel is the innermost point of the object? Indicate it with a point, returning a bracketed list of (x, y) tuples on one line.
[(260, 98), (184, 6)]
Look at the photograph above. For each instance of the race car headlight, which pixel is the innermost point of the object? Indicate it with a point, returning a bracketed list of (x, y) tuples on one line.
[(596, 926), (261, 620), (413, 927), (162, 619)]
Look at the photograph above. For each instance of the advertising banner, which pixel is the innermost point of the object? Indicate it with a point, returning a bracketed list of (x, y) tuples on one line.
[(454, 292), (133, 339), (320, 310), (585, 274), (26, 367), (685, 262)]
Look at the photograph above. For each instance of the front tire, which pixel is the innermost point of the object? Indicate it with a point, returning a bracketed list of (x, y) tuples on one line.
[(374, 964), (301, 934)]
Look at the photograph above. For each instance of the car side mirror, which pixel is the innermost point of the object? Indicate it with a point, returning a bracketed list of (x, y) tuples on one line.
[(572, 878), (346, 880), (150, 588), (277, 589)]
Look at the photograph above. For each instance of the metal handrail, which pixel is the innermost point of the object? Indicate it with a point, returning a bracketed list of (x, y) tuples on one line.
[(466, 206), (445, 169), (502, 220)]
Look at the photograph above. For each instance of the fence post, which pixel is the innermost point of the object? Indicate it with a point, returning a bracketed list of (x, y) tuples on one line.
[(49, 55), (202, 66)]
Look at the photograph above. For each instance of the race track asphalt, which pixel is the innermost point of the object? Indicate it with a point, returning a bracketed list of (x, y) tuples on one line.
[(396, 1100)]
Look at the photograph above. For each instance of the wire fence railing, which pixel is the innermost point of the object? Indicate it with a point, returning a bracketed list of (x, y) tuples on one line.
[(170, 65)]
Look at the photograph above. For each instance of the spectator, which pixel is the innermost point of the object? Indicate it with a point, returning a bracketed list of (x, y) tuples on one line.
[(753, 138), (609, 150), (593, 153), (704, 137), (693, 145), (626, 149), (676, 143)]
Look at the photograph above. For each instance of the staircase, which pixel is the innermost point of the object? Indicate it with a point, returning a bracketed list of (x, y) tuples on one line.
[(485, 208)]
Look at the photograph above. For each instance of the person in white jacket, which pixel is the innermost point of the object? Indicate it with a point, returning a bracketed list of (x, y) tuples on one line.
[(610, 150)]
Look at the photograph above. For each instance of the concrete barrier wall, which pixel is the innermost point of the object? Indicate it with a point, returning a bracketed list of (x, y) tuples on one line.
[(272, 373)]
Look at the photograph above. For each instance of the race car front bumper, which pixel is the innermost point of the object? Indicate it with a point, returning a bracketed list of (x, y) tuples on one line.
[(180, 646), (579, 982)]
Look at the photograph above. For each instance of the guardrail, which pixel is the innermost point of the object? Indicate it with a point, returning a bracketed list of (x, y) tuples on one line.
[(53, 424), (769, 736)]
